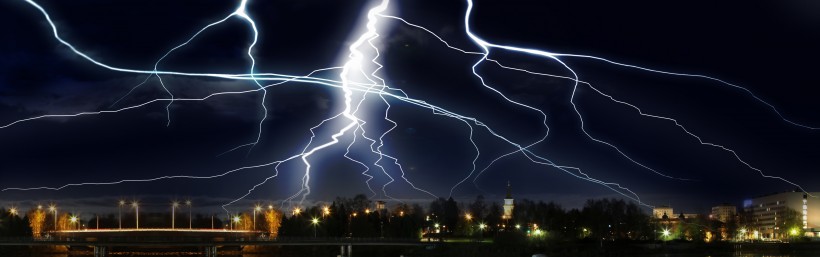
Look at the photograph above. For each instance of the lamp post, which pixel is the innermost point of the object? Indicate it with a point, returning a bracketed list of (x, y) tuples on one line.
[(236, 220), (481, 227), (190, 220), (136, 206), (53, 208), (350, 223), (122, 203), (174, 206), (73, 220), (255, 210), (315, 222)]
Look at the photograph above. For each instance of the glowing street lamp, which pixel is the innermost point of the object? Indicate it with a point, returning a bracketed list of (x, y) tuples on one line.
[(73, 220), (255, 210), (236, 219), (666, 233), (366, 211), (296, 211), (174, 206), (13, 211), (122, 203), (325, 211), (315, 222), (468, 217), (190, 221), (136, 206), (53, 208)]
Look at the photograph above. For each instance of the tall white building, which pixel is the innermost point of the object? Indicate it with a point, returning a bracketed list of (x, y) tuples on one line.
[(508, 203), (776, 215)]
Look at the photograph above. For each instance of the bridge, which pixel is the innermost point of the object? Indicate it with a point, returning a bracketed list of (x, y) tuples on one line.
[(207, 241)]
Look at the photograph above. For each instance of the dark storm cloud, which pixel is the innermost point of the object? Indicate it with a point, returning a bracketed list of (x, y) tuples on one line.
[(752, 44)]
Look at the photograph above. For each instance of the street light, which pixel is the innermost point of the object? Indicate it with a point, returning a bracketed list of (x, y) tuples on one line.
[(136, 206), (236, 219), (122, 203), (53, 208), (174, 206), (315, 222), (325, 211), (468, 217), (481, 227), (296, 211), (256, 209), (190, 220), (74, 220), (13, 211)]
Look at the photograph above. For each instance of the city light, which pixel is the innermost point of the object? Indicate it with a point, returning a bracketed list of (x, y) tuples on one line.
[(315, 223), (296, 211), (53, 208), (666, 232), (13, 211), (136, 206), (119, 212), (174, 206), (256, 209), (468, 217), (74, 220), (190, 215)]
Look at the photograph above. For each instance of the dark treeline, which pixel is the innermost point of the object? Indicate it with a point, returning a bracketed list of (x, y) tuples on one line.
[(12, 224), (607, 219)]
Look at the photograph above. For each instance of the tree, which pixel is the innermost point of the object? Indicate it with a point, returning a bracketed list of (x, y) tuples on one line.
[(478, 208), (37, 221), (273, 220)]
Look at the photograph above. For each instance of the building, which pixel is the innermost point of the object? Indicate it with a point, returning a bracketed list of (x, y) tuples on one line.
[(723, 212), (780, 215), (660, 211), (508, 203)]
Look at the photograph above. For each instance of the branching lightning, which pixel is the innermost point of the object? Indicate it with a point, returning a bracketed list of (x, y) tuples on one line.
[(359, 78)]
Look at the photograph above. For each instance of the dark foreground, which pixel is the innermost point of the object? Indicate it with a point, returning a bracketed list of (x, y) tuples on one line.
[(475, 249)]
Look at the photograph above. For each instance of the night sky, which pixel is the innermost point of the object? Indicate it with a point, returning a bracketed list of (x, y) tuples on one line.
[(767, 47)]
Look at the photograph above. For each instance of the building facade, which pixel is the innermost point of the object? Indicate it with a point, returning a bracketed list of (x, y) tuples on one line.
[(780, 215), (724, 212), (660, 211)]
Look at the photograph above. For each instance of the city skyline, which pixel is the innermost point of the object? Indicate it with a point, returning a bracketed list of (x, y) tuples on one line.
[(722, 140)]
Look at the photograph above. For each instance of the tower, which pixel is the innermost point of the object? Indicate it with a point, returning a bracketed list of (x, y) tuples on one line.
[(508, 203)]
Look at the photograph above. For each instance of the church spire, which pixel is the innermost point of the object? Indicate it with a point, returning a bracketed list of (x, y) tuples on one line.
[(509, 190)]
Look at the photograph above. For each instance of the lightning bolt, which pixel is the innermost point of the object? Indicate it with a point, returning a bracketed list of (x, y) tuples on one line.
[(359, 79)]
